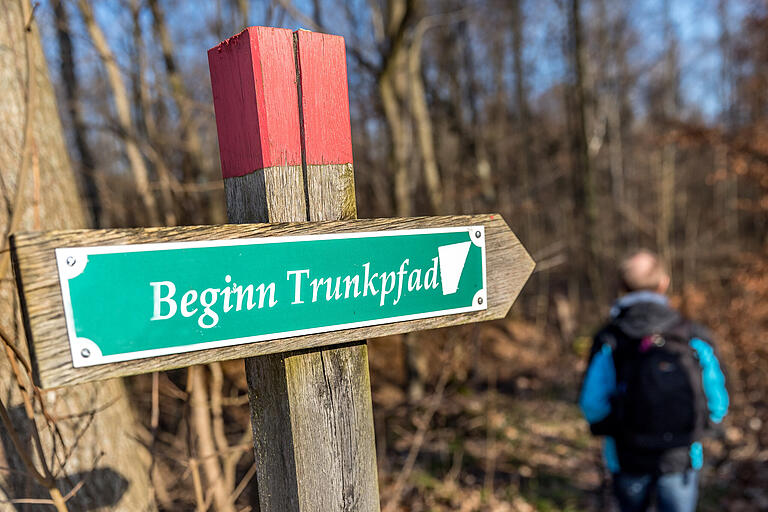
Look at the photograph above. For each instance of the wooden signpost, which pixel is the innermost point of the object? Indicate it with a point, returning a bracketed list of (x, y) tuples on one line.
[(292, 285)]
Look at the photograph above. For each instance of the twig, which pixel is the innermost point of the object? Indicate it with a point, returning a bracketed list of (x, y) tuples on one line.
[(217, 420), (32, 501), (28, 405), (243, 483), (490, 452), (234, 448), (199, 500), (235, 401), (26, 145), (172, 389), (154, 423), (155, 418), (206, 444), (31, 17), (20, 448), (418, 440), (29, 409), (46, 481), (74, 490), (16, 353), (312, 24)]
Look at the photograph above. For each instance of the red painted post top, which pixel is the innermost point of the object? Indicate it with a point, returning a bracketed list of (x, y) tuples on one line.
[(322, 67), (253, 78), (257, 99)]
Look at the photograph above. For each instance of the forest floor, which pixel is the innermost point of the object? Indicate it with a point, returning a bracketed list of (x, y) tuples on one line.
[(496, 427), (501, 429), (506, 433)]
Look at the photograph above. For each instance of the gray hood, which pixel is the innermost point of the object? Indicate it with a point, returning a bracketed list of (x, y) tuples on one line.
[(639, 314)]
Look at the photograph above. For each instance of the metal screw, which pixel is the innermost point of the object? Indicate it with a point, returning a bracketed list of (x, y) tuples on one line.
[(479, 300), (71, 261), (85, 352), (478, 234)]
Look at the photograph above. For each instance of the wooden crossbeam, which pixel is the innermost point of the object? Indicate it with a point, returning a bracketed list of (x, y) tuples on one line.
[(508, 267)]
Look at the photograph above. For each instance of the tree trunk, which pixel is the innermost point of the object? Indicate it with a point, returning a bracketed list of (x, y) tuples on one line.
[(390, 88), (122, 111), (88, 434), (207, 453), (193, 153), (667, 165), (585, 197), (528, 164), (146, 126), (67, 68), (728, 188), (424, 122)]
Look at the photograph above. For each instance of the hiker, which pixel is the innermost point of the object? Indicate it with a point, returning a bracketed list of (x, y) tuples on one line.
[(653, 388)]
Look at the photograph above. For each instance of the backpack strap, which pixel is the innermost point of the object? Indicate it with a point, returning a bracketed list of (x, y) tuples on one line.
[(682, 333)]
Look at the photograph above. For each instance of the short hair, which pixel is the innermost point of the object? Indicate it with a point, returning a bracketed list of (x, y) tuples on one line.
[(642, 270)]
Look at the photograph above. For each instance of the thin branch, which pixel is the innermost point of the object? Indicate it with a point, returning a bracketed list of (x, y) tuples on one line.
[(16, 352), (312, 24), (74, 490), (206, 445), (30, 90), (18, 356), (32, 501), (31, 17), (418, 440), (20, 448), (243, 483), (198, 486)]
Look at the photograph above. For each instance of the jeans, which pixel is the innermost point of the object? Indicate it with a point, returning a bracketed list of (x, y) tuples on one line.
[(675, 492)]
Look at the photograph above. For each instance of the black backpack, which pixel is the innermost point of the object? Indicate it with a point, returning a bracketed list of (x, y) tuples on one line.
[(660, 402)]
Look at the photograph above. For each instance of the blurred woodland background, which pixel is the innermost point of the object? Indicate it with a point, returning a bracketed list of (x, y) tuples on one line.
[(592, 126)]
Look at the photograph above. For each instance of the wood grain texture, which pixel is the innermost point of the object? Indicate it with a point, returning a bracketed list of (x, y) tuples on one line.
[(311, 411), (331, 182), (508, 267), (254, 195), (322, 70), (255, 100), (332, 440)]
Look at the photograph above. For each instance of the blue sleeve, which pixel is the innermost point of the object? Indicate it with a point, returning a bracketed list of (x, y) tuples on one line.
[(713, 380), (599, 386)]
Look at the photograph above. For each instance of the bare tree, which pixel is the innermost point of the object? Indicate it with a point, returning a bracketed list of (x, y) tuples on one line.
[(584, 194), (190, 139), (122, 111), (392, 88), (422, 119), (67, 69), (79, 447)]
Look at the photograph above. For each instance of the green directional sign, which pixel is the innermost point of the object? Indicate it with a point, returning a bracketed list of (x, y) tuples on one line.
[(134, 301)]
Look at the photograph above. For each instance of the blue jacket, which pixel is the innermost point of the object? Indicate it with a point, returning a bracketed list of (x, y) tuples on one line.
[(641, 314)]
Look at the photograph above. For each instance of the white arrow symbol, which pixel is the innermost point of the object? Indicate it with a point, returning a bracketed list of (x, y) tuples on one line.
[(452, 259)]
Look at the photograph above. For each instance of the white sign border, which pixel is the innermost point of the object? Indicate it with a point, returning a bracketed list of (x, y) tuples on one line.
[(71, 261)]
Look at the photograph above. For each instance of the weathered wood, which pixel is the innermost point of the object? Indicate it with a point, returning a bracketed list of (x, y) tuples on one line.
[(311, 411), (322, 70), (248, 199), (508, 266), (330, 440), (256, 100)]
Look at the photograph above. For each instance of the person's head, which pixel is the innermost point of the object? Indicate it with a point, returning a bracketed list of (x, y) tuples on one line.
[(643, 270)]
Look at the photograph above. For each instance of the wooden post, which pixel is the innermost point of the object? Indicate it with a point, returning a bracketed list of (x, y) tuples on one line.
[(282, 113), (283, 118)]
